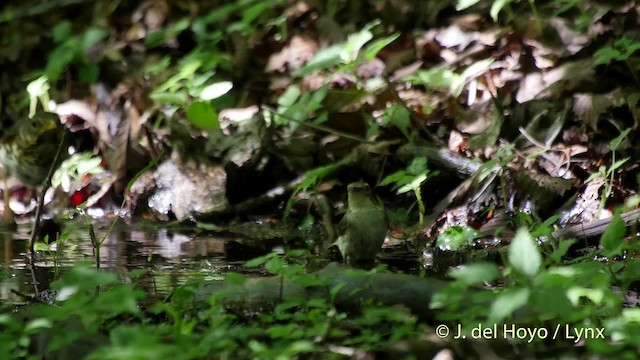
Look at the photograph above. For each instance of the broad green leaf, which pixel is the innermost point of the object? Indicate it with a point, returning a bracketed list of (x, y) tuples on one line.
[(524, 255), (413, 184), (253, 12), (93, 36), (89, 73), (37, 324), (216, 90), (455, 237), (203, 116), (417, 166), (613, 236), (475, 274), (355, 42), (561, 250), (465, 4), (59, 58), (605, 55), (398, 177), (323, 59), (289, 97), (233, 278), (506, 303), (62, 31), (260, 260), (552, 299)]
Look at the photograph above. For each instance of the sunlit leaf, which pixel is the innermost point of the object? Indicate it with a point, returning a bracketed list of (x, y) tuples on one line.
[(216, 90), (524, 254), (497, 6), (354, 43), (507, 302), (465, 4), (475, 274), (455, 237), (372, 50)]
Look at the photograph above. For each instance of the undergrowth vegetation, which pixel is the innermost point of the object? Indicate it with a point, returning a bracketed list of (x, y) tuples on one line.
[(500, 136)]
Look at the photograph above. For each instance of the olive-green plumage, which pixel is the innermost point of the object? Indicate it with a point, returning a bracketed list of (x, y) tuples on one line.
[(363, 227), (28, 148)]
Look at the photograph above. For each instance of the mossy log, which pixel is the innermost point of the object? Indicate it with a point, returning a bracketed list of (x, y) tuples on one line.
[(355, 287)]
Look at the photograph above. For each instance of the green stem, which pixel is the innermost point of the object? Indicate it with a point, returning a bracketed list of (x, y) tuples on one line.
[(421, 208)]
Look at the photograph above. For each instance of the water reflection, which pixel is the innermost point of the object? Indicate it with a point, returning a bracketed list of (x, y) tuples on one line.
[(170, 257)]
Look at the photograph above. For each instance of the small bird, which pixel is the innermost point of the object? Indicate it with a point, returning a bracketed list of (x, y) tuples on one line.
[(28, 148), (363, 227)]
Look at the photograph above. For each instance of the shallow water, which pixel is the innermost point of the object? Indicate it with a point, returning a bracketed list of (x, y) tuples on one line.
[(170, 258)]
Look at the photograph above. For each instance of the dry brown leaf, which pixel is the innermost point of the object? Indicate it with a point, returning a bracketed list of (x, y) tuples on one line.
[(301, 49)]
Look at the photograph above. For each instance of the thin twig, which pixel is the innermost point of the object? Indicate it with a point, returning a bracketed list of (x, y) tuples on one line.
[(316, 126), (46, 186)]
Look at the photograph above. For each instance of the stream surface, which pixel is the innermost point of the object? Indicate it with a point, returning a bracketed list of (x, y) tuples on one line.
[(170, 258)]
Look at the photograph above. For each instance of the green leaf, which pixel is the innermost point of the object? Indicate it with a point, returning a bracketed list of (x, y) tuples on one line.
[(93, 36), (323, 59), (561, 251), (615, 143), (605, 55), (616, 165), (455, 237), (471, 72), (524, 255), (355, 42), (475, 274), (233, 278), (372, 50), (253, 12), (506, 303), (399, 178), (314, 176), (613, 236), (37, 324), (216, 90), (62, 31), (289, 97), (417, 166), (177, 98), (439, 78), (465, 4), (497, 6), (202, 116), (260, 260), (156, 38), (413, 184), (59, 58), (89, 73)]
